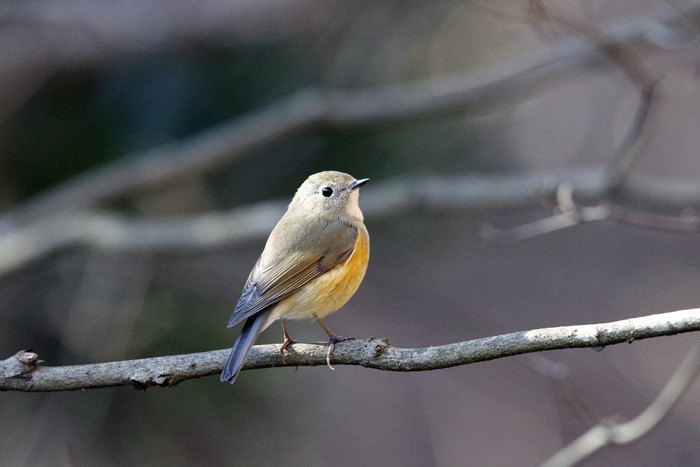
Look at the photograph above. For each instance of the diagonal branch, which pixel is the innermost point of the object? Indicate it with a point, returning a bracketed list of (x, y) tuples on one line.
[(19, 373), (630, 61), (605, 434)]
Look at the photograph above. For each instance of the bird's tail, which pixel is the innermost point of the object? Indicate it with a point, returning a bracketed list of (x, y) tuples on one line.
[(251, 329)]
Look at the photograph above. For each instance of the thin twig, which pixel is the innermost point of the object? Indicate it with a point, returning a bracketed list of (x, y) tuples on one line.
[(632, 63), (567, 213), (605, 434), (371, 353), (559, 374)]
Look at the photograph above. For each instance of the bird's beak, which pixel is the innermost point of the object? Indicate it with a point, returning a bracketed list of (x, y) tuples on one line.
[(359, 183)]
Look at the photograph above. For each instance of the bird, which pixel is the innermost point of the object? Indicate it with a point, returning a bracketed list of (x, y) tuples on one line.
[(313, 262)]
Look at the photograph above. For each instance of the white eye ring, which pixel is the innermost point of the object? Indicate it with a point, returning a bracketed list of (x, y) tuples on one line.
[(326, 192)]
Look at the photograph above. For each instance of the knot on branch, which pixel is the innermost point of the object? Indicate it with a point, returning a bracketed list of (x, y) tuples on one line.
[(20, 365), (144, 381), (381, 344)]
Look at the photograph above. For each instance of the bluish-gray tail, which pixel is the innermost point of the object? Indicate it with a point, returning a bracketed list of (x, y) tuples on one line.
[(251, 329)]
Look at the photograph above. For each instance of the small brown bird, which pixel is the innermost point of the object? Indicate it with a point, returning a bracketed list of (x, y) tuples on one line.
[(313, 262)]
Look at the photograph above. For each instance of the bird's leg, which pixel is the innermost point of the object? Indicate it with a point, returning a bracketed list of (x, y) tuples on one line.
[(332, 339), (287, 340)]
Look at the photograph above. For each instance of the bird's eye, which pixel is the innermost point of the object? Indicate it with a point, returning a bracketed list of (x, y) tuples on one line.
[(327, 191)]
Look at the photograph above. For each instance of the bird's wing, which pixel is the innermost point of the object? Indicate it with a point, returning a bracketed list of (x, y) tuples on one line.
[(304, 256)]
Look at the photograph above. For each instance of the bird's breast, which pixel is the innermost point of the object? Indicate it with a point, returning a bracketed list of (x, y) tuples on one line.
[(331, 290)]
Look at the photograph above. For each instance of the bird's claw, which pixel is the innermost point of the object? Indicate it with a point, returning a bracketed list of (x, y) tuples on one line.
[(331, 347)]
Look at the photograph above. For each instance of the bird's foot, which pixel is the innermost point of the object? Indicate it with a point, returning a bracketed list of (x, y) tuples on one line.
[(287, 342), (332, 340)]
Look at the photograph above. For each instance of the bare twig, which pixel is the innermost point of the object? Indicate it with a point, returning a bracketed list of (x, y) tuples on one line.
[(546, 225), (687, 222), (606, 434), (567, 213), (559, 373), (371, 353), (560, 198), (627, 151)]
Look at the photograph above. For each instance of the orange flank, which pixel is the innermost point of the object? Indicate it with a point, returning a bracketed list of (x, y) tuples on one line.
[(336, 286)]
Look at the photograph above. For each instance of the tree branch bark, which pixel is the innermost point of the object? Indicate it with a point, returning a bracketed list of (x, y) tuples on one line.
[(20, 373)]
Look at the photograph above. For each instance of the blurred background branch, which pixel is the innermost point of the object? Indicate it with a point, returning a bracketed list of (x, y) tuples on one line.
[(146, 149), (312, 109), (609, 432), (117, 232)]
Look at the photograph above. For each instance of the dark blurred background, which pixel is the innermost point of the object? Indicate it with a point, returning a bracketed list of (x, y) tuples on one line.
[(85, 85)]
